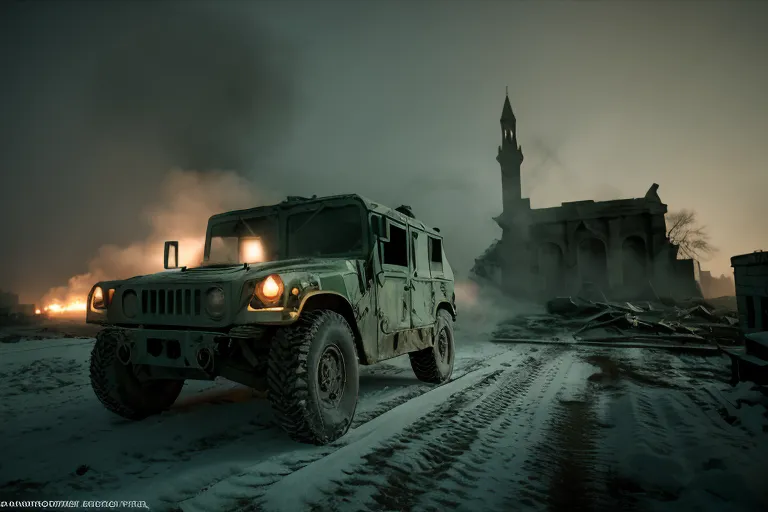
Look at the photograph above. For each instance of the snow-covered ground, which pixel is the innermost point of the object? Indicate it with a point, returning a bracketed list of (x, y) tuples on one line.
[(519, 427)]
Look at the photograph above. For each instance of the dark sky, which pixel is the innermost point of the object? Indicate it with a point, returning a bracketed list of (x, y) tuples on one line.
[(398, 101)]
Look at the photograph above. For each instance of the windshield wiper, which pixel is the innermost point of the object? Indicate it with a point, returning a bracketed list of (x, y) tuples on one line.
[(241, 221), (311, 217)]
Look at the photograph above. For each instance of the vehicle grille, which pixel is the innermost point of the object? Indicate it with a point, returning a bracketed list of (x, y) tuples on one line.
[(171, 302)]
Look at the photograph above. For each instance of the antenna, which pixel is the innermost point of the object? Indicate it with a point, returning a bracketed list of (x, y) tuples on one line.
[(507, 90)]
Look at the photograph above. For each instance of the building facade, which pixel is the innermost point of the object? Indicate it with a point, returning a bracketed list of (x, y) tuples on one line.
[(751, 275), (613, 248)]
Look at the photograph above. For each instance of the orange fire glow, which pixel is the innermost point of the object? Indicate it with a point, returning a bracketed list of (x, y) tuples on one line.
[(70, 307), (251, 251)]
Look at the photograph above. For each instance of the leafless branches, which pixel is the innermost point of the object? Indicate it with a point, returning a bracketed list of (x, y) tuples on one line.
[(692, 239)]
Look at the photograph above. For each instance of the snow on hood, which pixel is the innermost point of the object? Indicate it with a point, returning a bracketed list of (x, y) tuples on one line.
[(237, 272)]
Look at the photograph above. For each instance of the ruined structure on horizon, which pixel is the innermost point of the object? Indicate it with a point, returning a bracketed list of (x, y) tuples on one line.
[(751, 275), (617, 248)]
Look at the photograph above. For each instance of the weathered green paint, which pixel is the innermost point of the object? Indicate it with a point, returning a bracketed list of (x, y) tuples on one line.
[(392, 308)]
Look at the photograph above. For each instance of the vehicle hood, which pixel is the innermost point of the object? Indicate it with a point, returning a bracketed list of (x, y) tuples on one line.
[(242, 272)]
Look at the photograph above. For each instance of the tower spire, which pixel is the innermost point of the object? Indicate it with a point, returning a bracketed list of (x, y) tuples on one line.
[(510, 158), (506, 111)]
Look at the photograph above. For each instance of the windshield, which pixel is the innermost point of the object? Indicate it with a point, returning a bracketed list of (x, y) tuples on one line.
[(251, 240), (326, 231)]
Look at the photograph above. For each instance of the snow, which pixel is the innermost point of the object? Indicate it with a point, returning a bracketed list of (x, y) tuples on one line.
[(520, 426)]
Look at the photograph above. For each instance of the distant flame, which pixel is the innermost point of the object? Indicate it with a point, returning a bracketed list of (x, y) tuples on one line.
[(73, 306)]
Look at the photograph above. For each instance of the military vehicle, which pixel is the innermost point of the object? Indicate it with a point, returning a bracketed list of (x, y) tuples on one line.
[(289, 298)]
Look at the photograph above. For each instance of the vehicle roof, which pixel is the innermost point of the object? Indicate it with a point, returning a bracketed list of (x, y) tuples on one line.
[(368, 204)]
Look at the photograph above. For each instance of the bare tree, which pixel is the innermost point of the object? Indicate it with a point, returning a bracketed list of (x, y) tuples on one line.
[(692, 239)]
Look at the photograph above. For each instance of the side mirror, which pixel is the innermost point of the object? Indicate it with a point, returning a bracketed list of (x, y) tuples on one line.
[(379, 228), (171, 254)]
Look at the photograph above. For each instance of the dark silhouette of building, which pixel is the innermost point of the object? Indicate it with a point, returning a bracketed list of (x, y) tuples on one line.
[(616, 248)]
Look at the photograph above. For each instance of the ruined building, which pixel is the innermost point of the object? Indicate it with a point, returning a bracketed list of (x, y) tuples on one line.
[(713, 286), (613, 248), (751, 273)]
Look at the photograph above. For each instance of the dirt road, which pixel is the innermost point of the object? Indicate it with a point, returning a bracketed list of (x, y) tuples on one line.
[(520, 427)]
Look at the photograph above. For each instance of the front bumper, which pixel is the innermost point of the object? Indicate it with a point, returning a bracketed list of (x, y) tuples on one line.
[(168, 348)]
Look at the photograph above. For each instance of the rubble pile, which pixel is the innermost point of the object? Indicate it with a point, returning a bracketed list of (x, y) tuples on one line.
[(686, 324)]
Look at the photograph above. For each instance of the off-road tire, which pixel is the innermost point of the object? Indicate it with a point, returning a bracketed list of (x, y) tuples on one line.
[(117, 387), (293, 375), (429, 364)]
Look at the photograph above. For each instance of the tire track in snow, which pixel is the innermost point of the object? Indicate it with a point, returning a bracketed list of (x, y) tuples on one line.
[(398, 475), (646, 435), (411, 392), (565, 464), (244, 490), (495, 463), (570, 469)]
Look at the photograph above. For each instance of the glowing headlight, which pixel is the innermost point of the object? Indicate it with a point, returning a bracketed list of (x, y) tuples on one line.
[(270, 290), (97, 300), (215, 302)]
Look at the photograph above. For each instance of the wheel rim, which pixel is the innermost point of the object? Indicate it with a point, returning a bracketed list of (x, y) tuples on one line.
[(331, 377), (443, 347)]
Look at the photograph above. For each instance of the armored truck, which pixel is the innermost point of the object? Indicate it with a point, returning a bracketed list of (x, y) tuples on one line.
[(290, 299)]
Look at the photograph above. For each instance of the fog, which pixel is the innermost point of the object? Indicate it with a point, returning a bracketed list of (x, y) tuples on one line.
[(186, 201), (105, 104)]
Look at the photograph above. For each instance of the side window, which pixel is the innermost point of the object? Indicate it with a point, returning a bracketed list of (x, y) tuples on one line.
[(396, 248), (435, 254)]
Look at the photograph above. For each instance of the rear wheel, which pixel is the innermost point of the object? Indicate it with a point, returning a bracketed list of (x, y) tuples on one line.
[(313, 377), (119, 389), (435, 364)]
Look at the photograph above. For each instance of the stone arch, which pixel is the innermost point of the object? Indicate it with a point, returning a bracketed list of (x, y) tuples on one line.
[(550, 260), (592, 258), (634, 261)]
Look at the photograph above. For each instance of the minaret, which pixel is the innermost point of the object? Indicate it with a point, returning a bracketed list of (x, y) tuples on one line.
[(514, 255), (510, 159)]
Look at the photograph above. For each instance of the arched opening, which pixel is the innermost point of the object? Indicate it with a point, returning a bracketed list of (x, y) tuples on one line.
[(634, 262), (551, 265), (593, 262)]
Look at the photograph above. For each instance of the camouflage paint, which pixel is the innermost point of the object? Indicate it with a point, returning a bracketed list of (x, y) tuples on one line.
[(392, 310)]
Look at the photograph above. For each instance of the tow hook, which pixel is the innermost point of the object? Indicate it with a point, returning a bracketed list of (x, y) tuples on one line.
[(124, 352), (205, 359)]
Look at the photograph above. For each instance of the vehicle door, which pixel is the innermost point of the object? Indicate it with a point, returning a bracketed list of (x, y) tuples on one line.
[(393, 281), (422, 293)]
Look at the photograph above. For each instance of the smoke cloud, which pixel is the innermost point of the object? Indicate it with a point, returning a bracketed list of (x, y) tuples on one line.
[(187, 200), (101, 99), (482, 307)]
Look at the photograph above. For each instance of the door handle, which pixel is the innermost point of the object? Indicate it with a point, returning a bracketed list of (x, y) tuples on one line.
[(407, 287)]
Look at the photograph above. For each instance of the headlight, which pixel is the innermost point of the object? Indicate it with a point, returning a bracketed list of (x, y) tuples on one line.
[(270, 290), (215, 302), (97, 298), (130, 303)]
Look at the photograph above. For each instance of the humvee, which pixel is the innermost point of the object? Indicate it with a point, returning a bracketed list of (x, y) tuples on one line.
[(289, 299)]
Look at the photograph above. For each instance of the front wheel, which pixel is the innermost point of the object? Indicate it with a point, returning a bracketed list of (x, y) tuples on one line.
[(117, 387), (435, 364), (313, 377)]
